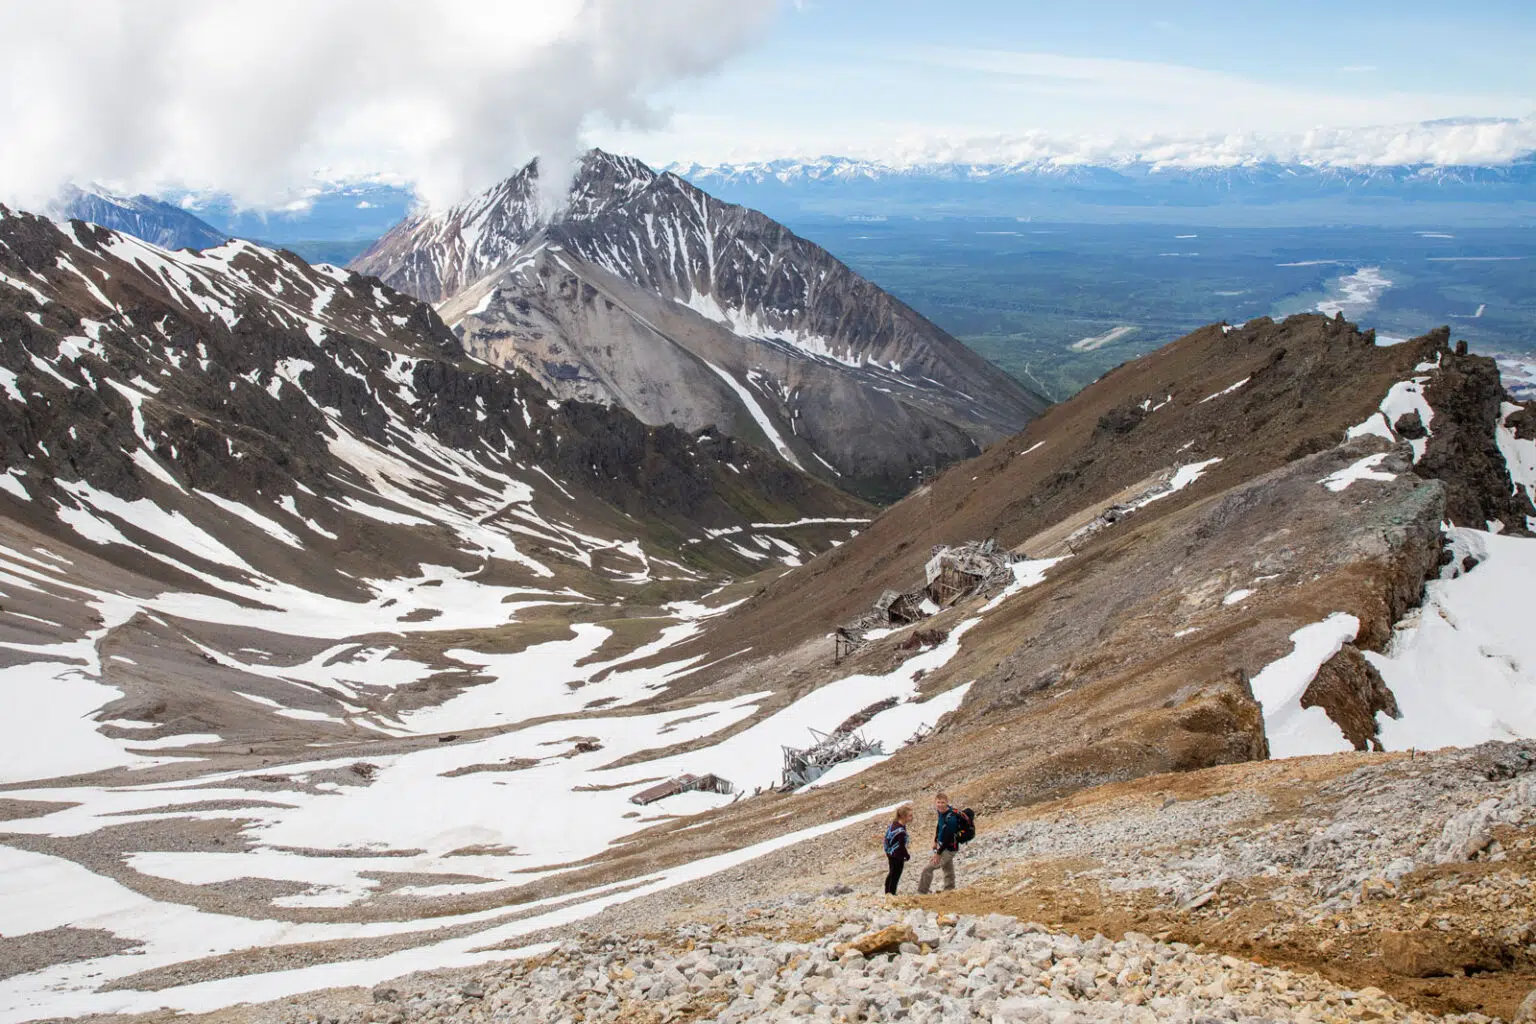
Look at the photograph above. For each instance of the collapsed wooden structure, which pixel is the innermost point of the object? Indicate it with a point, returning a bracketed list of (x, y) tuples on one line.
[(804, 766), (683, 784), (845, 642), (951, 574), (898, 609)]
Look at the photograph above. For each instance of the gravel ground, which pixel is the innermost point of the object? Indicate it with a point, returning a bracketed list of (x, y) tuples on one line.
[(1352, 851), (941, 969), (1361, 835)]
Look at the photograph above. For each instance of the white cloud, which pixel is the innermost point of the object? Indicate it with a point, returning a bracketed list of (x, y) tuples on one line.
[(914, 104), (255, 96), (1152, 97), (1480, 142)]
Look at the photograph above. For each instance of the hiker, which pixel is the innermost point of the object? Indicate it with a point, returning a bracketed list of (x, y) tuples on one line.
[(952, 829), (896, 855)]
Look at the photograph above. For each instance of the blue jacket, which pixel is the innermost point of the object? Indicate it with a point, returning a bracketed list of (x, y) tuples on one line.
[(946, 833)]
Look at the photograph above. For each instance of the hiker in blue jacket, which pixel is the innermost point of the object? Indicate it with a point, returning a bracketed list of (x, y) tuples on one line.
[(946, 841), (896, 855)]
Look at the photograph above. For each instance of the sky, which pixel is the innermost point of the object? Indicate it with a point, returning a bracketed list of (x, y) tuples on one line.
[(258, 98), (903, 78)]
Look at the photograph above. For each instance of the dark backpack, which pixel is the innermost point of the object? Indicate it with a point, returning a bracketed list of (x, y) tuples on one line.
[(967, 826), (895, 836)]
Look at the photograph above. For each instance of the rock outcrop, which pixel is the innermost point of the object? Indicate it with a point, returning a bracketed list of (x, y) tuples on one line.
[(1467, 397), (1353, 693)]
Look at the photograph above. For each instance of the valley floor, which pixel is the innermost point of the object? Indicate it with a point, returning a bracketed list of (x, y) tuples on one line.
[(1349, 887)]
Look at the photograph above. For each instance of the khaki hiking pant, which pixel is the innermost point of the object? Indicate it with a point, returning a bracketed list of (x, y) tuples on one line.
[(946, 864)]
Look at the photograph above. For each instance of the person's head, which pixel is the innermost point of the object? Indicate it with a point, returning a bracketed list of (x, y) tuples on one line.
[(904, 814), (941, 802)]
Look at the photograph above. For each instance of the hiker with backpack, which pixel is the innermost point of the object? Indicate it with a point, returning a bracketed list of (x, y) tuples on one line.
[(954, 827), (896, 855)]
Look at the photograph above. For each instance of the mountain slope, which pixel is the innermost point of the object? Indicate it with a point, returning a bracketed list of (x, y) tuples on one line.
[(1259, 541), (257, 513), (648, 293), (1226, 542), (276, 437), (144, 217)]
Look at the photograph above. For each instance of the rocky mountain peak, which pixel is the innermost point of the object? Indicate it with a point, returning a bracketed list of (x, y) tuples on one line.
[(602, 180), (646, 292), (434, 255)]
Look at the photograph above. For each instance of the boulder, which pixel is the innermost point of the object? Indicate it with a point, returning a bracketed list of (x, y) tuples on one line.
[(1425, 953), (886, 940), (1527, 1012)]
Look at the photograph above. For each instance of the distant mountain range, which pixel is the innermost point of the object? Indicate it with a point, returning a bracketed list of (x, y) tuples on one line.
[(1290, 175), (1256, 194), (335, 221), (328, 223), (145, 217)]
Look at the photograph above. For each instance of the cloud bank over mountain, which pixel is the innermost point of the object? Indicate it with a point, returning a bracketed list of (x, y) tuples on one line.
[(1453, 142), (255, 97), (1482, 142)]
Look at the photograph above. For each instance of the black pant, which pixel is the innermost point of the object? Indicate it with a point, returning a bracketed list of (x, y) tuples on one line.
[(893, 877)]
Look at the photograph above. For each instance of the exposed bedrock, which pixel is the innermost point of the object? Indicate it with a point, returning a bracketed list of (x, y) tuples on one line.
[(1351, 691), (1466, 395)]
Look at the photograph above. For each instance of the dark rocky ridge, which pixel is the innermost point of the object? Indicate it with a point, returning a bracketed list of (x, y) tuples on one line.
[(1466, 395), (220, 417)]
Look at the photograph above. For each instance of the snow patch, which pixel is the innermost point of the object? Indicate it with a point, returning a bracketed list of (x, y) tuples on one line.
[(1361, 469), (1224, 391), (1295, 731), (1463, 665), (757, 414)]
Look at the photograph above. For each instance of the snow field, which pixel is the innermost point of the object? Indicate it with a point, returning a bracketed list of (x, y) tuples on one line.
[(54, 694), (1463, 668), (70, 989), (452, 803)]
